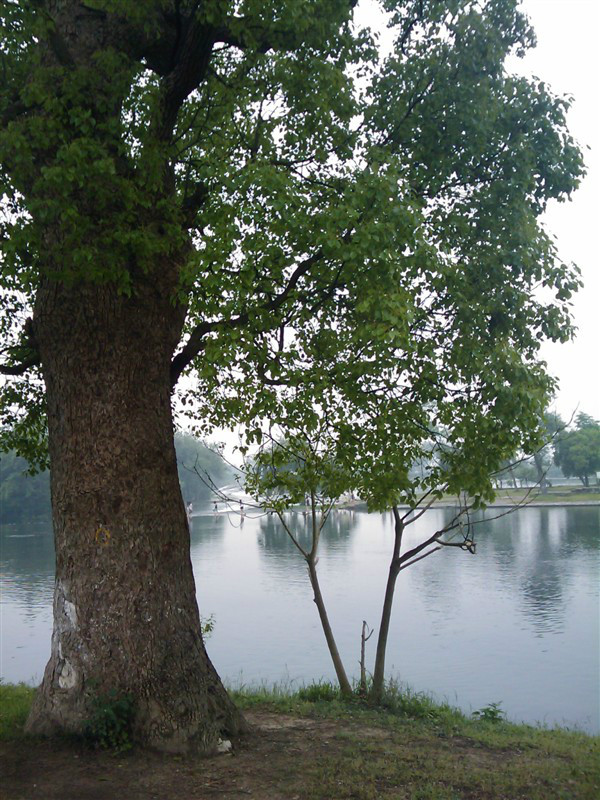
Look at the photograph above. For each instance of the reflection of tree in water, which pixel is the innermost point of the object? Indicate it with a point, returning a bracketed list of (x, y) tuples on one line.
[(541, 582), (569, 530), (533, 555), (27, 561), (276, 544), (582, 531), (338, 529), (207, 530), (535, 550)]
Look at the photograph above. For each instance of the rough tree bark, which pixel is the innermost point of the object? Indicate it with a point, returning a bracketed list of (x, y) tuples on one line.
[(125, 611)]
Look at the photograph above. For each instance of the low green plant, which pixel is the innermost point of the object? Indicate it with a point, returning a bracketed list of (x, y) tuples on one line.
[(319, 692), (490, 713), (15, 702), (111, 723), (402, 701)]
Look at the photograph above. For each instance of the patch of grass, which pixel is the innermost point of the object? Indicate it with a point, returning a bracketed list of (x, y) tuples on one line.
[(15, 702), (430, 769), (559, 494), (408, 749), (278, 696), (324, 699), (315, 692), (402, 701), (433, 751)]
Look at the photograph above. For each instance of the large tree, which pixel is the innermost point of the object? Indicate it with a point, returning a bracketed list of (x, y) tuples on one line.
[(577, 451), (246, 193)]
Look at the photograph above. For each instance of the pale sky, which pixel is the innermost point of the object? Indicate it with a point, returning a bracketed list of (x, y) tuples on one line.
[(568, 59)]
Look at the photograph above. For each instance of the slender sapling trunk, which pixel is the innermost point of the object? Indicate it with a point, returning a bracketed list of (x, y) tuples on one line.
[(378, 673)]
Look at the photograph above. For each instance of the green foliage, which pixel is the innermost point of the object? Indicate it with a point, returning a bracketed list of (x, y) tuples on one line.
[(23, 415), (577, 451), (490, 713), (288, 472), (110, 725), (207, 625), (354, 238)]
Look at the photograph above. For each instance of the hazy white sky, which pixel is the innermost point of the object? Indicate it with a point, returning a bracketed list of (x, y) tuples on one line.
[(568, 59)]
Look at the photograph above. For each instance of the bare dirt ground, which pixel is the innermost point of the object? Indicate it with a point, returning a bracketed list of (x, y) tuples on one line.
[(279, 760)]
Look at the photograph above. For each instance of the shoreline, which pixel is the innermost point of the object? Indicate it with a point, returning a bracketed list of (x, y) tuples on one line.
[(517, 503), (313, 744)]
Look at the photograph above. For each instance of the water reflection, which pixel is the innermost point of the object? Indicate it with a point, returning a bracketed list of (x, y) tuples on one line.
[(539, 551), (206, 533), (276, 542), (543, 580), (518, 622), (27, 563)]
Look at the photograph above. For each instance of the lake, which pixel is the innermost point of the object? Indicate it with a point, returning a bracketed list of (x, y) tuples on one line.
[(517, 623)]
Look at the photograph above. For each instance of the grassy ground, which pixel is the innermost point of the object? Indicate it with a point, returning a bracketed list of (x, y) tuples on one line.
[(15, 701), (313, 746), (556, 494)]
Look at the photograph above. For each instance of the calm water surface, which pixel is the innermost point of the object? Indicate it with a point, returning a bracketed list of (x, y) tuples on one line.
[(517, 623)]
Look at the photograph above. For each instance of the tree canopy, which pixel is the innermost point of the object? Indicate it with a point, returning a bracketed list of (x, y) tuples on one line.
[(361, 233)]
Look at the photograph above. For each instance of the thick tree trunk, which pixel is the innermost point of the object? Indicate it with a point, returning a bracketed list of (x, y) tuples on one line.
[(125, 612)]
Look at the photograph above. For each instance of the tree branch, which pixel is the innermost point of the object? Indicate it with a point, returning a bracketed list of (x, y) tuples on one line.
[(20, 369), (192, 56), (193, 202), (191, 65), (25, 353), (434, 538), (195, 342)]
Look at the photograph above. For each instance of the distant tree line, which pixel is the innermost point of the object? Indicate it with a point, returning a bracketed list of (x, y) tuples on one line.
[(577, 450), (572, 448), (23, 495)]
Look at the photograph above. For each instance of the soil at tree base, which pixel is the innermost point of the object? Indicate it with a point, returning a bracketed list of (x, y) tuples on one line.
[(286, 758)]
